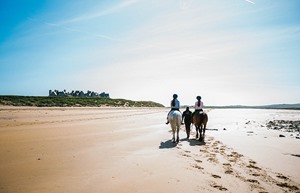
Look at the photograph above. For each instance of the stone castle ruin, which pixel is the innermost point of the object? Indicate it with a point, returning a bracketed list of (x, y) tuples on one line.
[(57, 93)]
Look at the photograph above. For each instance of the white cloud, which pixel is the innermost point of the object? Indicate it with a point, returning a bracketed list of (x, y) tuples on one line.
[(250, 1)]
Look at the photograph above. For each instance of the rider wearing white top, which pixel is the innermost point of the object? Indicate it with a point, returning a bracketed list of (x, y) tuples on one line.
[(198, 105)]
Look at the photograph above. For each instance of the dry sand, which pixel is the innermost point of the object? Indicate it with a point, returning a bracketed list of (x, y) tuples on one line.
[(129, 150)]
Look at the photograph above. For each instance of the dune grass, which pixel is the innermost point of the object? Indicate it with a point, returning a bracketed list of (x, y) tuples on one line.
[(43, 101)]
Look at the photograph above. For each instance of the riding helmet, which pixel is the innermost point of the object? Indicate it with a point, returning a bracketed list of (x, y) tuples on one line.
[(198, 97), (175, 96)]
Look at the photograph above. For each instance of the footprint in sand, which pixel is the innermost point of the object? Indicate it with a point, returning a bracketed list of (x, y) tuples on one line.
[(282, 177), (212, 158), (198, 161), (215, 176), (251, 166), (185, 155), (252, 181), (198, 167), (229, 171), (286, 185), (227, 164), (234, 156), (218, 187), (216, 150), (228, 168), (204, 151)]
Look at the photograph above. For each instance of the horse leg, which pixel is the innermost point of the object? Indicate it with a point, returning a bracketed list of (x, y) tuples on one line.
[(204, 128), (177, 140), (177, 128), (197, 130), (173, 139), (200, 130), (173, 131)]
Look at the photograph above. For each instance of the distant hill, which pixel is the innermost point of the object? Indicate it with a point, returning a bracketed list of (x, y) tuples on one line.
[(41, 101), (273, 106)]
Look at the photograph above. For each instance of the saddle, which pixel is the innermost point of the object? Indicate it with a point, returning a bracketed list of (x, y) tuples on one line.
[(199, 112)]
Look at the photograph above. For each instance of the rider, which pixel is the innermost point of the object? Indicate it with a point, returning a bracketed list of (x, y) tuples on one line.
[(198, 105), (175, 105)]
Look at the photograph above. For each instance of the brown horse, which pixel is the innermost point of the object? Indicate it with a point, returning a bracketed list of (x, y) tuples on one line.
[(200, 120)]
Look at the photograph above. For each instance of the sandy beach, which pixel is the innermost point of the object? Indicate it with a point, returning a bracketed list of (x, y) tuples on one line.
[(76, 150)]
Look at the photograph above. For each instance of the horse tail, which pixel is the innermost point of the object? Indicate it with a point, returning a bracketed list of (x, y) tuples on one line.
[(176, 119), (205, 119)]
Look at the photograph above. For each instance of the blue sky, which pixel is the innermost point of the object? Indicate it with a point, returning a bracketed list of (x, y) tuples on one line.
[(229, 52)]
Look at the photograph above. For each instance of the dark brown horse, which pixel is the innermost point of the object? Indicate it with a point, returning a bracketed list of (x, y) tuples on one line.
[(200, 120)]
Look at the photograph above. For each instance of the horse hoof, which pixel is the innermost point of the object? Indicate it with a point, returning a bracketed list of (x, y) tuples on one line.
[(177, 141)]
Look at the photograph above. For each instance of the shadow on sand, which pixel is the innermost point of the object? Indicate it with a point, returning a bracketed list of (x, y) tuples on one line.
[(194, 142), (167, 144)]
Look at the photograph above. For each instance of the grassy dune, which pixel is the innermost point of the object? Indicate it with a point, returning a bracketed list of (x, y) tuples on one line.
[(40, 101)]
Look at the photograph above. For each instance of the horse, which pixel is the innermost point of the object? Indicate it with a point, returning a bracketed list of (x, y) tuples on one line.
[(200, 120), (174, 118)]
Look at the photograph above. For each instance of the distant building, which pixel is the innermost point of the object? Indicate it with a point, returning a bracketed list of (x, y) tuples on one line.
[(57, 93)]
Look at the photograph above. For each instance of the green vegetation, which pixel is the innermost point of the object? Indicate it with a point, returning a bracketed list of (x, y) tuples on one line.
[(41, 101)]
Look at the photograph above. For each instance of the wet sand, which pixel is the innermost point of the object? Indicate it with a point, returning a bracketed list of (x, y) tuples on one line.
[(130, 150)]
